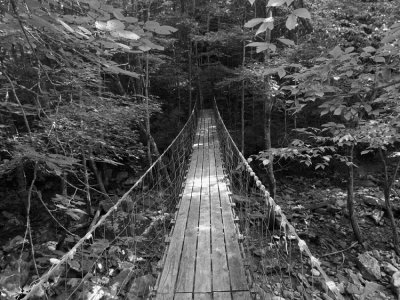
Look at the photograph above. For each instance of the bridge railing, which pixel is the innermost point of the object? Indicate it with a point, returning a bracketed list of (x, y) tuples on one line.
[(109, 256), (285, 263)]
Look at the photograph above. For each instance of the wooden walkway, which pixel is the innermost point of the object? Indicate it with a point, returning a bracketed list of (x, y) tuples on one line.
[(203, 260)]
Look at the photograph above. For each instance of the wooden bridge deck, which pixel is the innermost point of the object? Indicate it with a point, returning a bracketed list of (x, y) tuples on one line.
[(203, 260)]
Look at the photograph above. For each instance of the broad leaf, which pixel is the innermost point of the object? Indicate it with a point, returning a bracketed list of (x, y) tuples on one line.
[(302, 13), (165, 29), (379, 59), (100, 25), (291, 22), (264, 26), (281, 73), (262, 46), (274, 3), (336, 52), (125, 34), (151, 45), (114, 25), (117, 13), (253, 22), (151, 25), (369, 49), (287, 42), (131, 20), (338, 111)]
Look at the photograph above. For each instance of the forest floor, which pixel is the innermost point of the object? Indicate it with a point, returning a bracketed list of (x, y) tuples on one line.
[(318, 211)]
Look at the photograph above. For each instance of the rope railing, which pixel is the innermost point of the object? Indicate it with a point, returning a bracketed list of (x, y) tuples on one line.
[(286, 266), (109, 256)]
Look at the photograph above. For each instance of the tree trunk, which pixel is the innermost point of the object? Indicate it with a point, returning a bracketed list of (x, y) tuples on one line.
[(350, 198), (243, 86), (190, 77), (386, 192), (268, 104), (183, 6), (146, 91)]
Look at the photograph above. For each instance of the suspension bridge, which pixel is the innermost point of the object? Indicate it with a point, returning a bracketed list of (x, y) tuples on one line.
[(208, 238)]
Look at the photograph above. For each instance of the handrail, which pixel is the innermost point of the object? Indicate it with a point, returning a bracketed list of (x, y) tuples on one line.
[(37, 287), (287, 227)]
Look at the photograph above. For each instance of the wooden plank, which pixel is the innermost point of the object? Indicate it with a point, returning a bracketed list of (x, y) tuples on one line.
[(220, 269), (222, 296), (183, 296), (243, 295), (202, 296), (203, 259), (236, 269), (170, 271), (188, 259)]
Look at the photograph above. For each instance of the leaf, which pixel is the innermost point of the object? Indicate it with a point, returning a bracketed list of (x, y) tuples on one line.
[(117, 13), (338, 111), (336, 52), (324, 112), (165, 29), (100, 25), (114, 25), (274, 3), (291, 22), (77, 210), (287, 42), (369, 49), (66, 26), (118, 70), (253, 22), (125, 34), (123, 46), (84, 30), (349, 50), (262, 46), (252, 1), (281, 72), (265, 162), (366, 152), (152, 45), (73, 215), (264, 26), (379, 59), (99, 246), (302, 13), (144, 48), (54, 261), (151, 25), (131, 20)]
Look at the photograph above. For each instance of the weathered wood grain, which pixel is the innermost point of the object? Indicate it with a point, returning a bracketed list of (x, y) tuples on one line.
[(203, 259)]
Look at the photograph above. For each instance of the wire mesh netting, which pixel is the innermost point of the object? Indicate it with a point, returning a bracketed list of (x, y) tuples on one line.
[(128, 240), (279, 261)]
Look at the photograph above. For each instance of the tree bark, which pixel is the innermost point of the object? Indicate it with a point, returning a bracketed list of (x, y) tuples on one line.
[(243, 86), (386, 192), (190, 77), (146, 91), (268, 105), (350, 197)]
